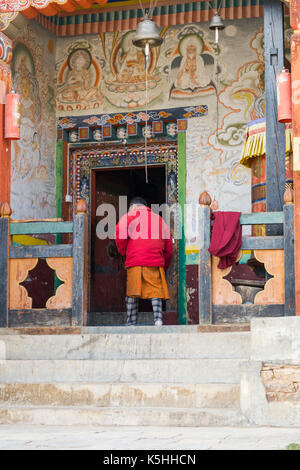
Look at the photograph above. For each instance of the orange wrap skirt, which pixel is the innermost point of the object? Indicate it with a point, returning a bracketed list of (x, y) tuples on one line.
[(147, 282)]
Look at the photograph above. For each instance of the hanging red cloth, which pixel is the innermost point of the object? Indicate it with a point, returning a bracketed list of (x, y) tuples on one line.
[(226, 238)]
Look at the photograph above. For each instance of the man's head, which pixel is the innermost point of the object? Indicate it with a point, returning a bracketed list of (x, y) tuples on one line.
[(137, 202)]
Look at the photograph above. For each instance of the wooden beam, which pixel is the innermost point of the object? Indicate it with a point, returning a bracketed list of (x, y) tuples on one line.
[(261, 218), (262, 243), (41, 251), (39, 318), (30, 228), (244, 313), (275, 131)]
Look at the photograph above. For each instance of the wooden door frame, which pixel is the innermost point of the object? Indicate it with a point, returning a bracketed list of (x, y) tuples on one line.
[(93, 172)]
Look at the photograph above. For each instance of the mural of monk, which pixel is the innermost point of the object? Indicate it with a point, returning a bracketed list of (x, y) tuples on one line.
[(193, 67)]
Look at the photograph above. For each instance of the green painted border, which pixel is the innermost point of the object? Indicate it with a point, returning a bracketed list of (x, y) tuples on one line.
[(182, 303), (59, 181), (192, 259), (59, 195)]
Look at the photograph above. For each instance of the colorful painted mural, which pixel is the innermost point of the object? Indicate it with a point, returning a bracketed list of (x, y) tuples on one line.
[(100, 79), (188, 71), (33, 156), (78, 81)]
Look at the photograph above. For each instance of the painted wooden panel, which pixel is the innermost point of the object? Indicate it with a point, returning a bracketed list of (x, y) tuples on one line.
[(18, 272), (262, 243), (243, 313), (273, 292), (40, 318), (222, 290), (257, 218), (44, 251), (192, 293), (40, 227), (64, 271)]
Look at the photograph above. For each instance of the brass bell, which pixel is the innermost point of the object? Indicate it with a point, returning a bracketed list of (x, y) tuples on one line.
[(216, 25), (216, 22), (147, 32)]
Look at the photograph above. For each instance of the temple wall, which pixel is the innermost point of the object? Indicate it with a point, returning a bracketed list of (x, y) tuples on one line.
[(99, 74), (33, 156)]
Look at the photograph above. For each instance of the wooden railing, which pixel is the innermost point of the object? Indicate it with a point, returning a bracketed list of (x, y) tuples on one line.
[(218, 301), (68, 307)]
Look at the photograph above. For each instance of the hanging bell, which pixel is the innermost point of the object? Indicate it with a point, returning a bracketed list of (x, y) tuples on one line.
[(216, 22), (216, 25), (147, 32)]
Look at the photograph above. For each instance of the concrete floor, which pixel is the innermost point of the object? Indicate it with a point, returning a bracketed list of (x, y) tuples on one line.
[(19, 437)]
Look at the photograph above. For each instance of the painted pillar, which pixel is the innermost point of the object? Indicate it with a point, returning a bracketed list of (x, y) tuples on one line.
[(295, 62), (182, 304), (275, 131), (5, 85)]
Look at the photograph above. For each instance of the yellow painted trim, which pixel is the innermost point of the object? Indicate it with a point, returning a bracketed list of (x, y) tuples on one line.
[(191, 249), (27, 240)]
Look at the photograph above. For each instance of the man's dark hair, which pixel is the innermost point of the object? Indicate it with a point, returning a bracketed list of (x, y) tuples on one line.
[(139, 201)]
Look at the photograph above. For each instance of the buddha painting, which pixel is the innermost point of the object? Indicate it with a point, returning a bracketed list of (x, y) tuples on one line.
[(78, 82), (193, 69), (126, 82)]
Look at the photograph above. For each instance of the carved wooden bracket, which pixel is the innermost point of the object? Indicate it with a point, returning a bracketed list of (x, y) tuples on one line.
[(64, 272), (273, 292), (18, 272), (222, 290)]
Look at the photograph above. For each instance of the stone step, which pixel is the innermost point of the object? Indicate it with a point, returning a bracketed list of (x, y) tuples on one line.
[(127, 345), (117, 318), (118, 416), (110, 371), (123, 395)]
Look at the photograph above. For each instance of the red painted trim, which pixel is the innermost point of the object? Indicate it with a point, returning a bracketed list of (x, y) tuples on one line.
[(197, 16)]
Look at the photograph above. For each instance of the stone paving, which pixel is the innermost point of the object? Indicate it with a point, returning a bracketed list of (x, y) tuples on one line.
[(19, 437)]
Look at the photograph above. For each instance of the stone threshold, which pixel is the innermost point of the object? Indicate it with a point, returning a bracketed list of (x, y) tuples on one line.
[(139, 329)]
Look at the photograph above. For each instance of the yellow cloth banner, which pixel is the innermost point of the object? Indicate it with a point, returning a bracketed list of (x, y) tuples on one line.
[(255, 142)]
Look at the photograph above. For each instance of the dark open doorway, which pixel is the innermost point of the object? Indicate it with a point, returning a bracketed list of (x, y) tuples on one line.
[(108, 274)]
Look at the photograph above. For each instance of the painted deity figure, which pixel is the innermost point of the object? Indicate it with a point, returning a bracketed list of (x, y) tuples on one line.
[(193, 67), (192, 72), (78, 84), (132, 68)]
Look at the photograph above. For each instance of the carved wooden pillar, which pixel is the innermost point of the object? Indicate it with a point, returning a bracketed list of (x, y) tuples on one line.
[(80, 268), (205, 298), (5, 84), (295, 62), (275, 131), (5, 213)]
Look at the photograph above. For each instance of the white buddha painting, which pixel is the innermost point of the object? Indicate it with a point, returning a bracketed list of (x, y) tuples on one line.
[(193, 68)]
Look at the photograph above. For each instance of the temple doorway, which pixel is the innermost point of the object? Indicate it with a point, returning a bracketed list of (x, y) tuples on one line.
[(108, 273)]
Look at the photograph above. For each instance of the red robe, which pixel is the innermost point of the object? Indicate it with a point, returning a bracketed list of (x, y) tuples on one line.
[(226, 238)]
